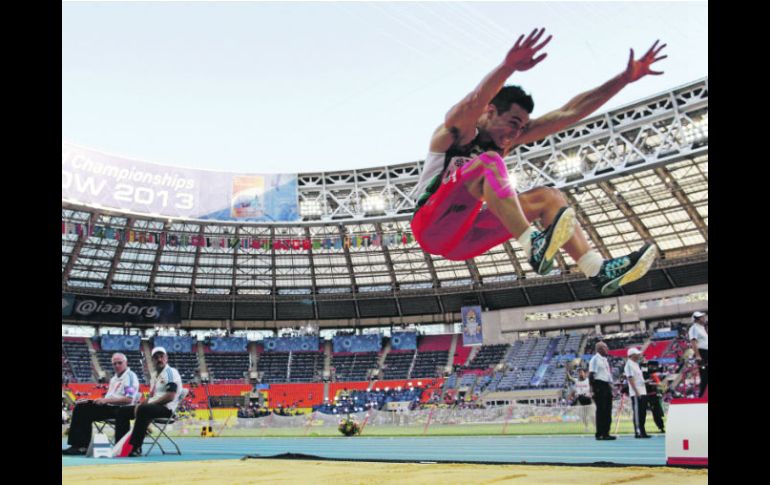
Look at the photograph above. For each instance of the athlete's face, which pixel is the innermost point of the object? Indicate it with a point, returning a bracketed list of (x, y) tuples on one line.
[(505, 127)]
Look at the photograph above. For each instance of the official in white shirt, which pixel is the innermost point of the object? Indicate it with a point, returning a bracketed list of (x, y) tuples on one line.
[(165, 391), (123, 392), (600, 377), (699, 342), (637, 391)]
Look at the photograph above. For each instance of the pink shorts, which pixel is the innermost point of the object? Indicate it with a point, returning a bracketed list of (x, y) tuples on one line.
[(452, 223)]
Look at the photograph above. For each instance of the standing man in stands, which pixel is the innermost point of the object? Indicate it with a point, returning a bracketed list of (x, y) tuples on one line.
[(600, 378), (122, 393), (636, 391), (582, 395), (165, 391), (699, 342)]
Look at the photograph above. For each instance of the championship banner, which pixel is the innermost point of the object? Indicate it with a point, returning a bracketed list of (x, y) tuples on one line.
[(91, 177), (471, 325), (97, 309)]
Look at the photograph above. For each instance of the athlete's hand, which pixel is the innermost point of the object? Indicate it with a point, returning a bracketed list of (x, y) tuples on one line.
[(521, 56), (638, 69)]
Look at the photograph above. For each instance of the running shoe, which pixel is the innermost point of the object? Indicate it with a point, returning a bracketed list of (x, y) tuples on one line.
[(546, 244), (618, 272)]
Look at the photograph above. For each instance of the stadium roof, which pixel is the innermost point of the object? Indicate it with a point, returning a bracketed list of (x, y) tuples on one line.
[(635, 174)]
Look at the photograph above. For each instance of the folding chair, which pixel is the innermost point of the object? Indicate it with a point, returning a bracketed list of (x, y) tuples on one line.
[(110, 422), (100, 425), (160, 425)]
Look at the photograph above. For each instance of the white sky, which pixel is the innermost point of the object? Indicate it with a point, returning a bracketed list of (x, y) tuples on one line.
[(292, 87)]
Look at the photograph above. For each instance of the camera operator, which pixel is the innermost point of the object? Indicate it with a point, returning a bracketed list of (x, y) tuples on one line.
[(652, 378)]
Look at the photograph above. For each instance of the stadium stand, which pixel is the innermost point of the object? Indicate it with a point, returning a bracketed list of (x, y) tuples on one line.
[(274, 366), (461, 352), (488, 356), (397, 364), (353, 366), (186, 363), (228, 366), (306, 366), (75, 351), (656, 349), (429, 364)]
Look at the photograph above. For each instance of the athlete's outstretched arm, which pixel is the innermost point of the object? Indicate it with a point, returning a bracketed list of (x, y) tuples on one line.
[(460, 122), (586, 103)]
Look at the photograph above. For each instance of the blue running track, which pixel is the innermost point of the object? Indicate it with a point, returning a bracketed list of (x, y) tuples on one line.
[(626, 450)]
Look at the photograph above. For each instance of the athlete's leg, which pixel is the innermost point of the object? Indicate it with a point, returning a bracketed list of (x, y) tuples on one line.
[(544, 203), (490, 182), (487, 177), (451, 222), (607, 275), (487, 232)]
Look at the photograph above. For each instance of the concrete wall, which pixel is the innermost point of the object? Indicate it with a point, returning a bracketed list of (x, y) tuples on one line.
[(503, 326)]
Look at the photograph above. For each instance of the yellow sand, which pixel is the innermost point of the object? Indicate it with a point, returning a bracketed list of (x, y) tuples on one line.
[(227, 472)]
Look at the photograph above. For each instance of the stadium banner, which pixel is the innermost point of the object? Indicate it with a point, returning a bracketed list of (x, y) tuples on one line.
[(91, 177), (472, 334), (120, 342), (661, 335), (291, 344), (403, 341), (228, 344), (174, 344), (357, 343), (98, 309)]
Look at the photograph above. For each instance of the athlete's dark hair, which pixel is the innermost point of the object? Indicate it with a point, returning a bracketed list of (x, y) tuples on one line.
[(512, 94)]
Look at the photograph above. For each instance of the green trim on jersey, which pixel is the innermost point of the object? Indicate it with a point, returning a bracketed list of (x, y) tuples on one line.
[(430, 189)]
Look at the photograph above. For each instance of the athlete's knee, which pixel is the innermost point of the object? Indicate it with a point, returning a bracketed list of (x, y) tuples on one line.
[(552, 196), (491, 156), (558, 196), (497, 182)]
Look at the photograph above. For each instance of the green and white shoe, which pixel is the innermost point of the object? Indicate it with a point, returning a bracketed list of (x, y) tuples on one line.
[(546, 244), (618, 272)]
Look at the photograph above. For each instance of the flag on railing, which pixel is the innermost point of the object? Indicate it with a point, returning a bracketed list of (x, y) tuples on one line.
[(182, 239)]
